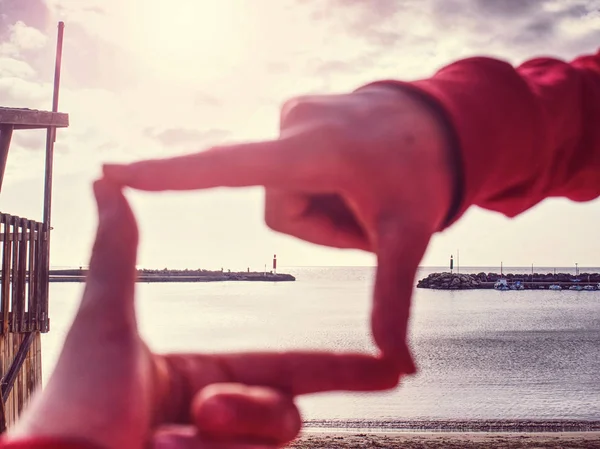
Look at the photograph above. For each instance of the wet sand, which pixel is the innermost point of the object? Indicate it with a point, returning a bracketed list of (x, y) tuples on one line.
[(448, 440)]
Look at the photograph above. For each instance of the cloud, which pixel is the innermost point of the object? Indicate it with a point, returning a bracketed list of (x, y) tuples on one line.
[(20, 93), (411, 39), (517, 25), (375, 21), (186, 136), (30, 139), (22, 39), (27, 37), (204, 99), (33, 12), (10, 67)]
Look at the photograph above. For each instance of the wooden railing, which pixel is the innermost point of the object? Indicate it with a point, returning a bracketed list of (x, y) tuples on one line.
[(23, 311), (24, 278)]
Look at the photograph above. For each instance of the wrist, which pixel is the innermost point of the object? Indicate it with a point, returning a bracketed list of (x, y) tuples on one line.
[(443, 154)]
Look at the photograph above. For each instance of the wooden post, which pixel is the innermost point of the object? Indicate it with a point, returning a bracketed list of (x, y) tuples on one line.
[(5, 137), (50, 139)]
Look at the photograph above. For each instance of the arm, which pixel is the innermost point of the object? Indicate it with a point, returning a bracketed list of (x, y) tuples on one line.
[(373, 171), (523, 134)]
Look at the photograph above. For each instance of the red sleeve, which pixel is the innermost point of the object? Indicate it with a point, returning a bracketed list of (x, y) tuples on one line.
[(46, 443), (523, 134)]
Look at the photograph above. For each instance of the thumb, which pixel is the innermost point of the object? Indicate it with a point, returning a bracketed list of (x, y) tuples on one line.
[(399, 251), (110, 282)]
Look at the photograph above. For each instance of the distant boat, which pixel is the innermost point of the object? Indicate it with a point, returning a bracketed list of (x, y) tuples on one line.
[(501, 285), (555, 287), (518, 285), (589, 288), (576, 287)]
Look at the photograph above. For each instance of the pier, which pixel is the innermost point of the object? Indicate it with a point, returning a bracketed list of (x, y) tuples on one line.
[(79, 275), (535, 281), (24, 258)]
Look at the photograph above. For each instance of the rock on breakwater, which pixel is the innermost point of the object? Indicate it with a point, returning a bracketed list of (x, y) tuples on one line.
[(450, 281), (454, 281)]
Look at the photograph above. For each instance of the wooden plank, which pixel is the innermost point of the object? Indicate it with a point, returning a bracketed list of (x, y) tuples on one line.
[(19, 311), (44, 280), (39, 282), (15, 343), (4, 291), (32, 277), (3, 357), (4, 416), (14, 271), (32, 118), (5, 137), (4, 305), (38, 360)]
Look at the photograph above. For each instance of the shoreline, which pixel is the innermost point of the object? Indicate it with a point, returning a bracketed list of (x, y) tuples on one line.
[(453, 426), (450, 440)]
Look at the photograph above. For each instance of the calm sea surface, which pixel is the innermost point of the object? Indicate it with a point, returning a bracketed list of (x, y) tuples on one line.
[(482, 354)]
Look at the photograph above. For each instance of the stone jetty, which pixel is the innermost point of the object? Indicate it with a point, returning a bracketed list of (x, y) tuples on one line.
[(455, 281), (167, 275)]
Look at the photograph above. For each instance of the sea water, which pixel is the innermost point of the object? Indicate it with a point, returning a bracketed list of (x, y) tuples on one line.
[(482, 354)]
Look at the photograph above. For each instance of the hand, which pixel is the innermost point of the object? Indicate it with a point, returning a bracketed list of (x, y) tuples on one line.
[(108, 389), (367, 170)]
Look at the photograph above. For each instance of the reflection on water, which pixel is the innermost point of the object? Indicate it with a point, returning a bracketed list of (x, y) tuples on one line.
[(482, 354)]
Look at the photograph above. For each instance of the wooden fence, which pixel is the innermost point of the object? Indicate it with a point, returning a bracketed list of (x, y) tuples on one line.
[(23, 311)]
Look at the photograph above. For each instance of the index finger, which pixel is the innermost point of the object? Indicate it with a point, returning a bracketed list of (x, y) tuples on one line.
[(400, 248), (295, 373), (274, 163)]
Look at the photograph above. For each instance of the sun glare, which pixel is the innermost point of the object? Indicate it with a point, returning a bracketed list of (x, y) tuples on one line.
[(188, 37)]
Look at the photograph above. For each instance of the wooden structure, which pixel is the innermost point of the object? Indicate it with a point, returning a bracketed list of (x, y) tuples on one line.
[(24, 262)]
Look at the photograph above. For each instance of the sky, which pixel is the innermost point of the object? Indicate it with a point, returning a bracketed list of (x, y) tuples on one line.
[(149, 78)]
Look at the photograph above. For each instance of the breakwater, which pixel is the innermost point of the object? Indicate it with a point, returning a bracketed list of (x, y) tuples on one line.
[(79, 275), (537, 281)]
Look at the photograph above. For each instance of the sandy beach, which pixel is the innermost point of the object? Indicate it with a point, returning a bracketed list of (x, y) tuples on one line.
[(448, 440)]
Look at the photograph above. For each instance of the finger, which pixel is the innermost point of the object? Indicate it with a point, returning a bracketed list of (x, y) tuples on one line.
[(110, 282), (280, 162), (399, 252), (319, 219), (242, 413), (187, 437), (180, 376)]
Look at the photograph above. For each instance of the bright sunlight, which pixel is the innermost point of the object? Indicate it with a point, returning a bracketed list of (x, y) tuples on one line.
[(188, 38)]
